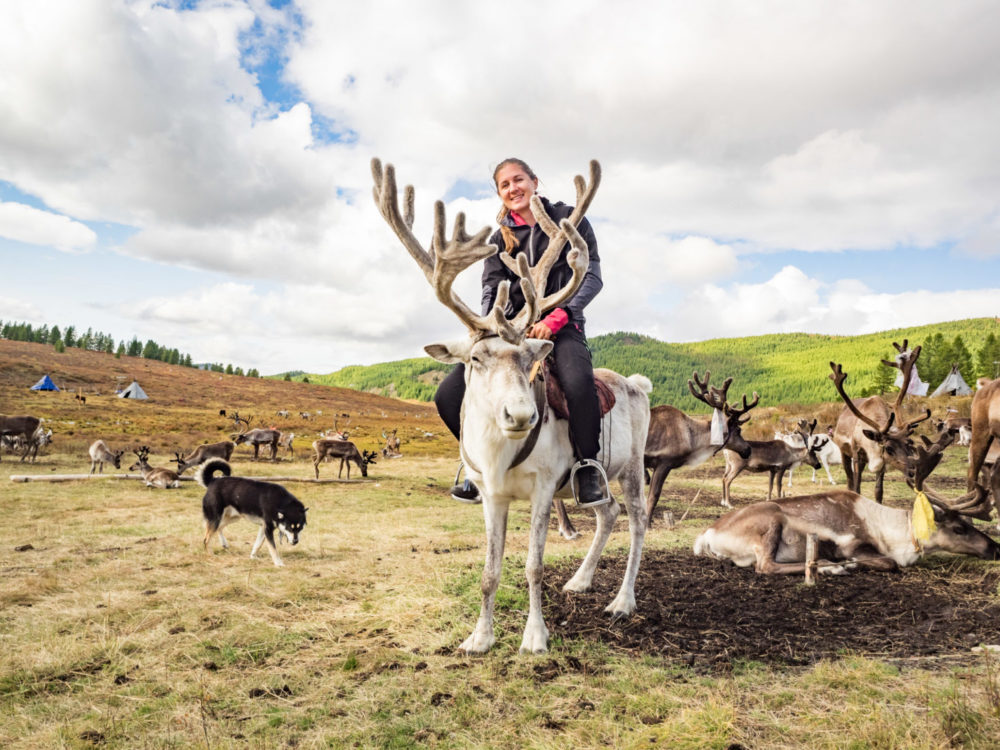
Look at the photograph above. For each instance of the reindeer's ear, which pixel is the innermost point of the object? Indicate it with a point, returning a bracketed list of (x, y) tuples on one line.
[(450, 352), (539, 348), (878, 437)]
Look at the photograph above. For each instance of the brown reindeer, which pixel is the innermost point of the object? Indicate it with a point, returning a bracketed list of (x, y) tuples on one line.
[(985, 430), (202, 453), (346, 451), (154, 477), (675, 439), (851, 530), (773, 456), (24, 426), (865, 431)]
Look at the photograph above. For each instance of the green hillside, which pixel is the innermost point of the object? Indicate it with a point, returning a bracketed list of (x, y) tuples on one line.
[(783, 368)]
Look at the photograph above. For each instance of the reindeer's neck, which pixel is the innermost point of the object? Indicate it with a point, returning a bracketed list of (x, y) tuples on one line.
[(892, 531)]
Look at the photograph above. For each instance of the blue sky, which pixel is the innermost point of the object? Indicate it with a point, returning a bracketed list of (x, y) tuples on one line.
[(198, 172)]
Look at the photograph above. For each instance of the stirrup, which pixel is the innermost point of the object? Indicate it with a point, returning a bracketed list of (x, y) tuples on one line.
[(584, 462)]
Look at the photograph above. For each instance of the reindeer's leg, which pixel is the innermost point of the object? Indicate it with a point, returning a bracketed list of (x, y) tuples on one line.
[(995, 489), (766, 551), (495, 515), (847, 462), (860, 463), (584, 576), (978, 448), (727, 481), (566, 528), (829, 476), (316, 465), (879, 484), (536, 635), (631, 481), (660, 474)]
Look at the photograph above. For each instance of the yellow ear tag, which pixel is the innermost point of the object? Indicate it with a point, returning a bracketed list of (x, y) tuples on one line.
[(923, 518), (534, 371)]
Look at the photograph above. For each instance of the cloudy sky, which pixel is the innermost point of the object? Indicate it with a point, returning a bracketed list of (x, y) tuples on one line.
[(198, 172)]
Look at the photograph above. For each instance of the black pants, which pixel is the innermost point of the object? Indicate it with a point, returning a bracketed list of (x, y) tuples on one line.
[(576, 374)]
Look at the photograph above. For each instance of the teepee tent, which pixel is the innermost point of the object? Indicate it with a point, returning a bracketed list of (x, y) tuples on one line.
[(917, 387), (134, 391), (45, 384), (953, 385)]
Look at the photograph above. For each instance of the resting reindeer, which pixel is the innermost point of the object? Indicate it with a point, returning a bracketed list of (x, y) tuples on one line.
[(512, 447), (25, 426), (773, 456), (883, 442), (851, 530), (677, 440), (391, 448), (204, 452), (101, 454), (154, 477), (346, 451)]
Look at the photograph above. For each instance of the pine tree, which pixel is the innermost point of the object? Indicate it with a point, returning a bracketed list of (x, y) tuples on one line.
[(120, 351), (54, 335), (69, 336), (134, 347), (883, 379), (988, 358)]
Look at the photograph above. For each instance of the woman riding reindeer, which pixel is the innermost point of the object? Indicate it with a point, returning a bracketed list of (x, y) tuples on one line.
[(519, 233)]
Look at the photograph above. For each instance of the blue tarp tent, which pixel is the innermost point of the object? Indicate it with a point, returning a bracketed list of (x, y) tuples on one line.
[(45, 384)]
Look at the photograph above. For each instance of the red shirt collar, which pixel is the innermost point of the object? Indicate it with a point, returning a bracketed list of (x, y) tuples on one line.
[(516, 218)]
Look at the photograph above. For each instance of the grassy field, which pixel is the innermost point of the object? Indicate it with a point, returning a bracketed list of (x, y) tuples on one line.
[(120, 631)]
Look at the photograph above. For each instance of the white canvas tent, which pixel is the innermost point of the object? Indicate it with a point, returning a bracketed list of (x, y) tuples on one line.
[(953, 385), (917, 387), (134, 391)]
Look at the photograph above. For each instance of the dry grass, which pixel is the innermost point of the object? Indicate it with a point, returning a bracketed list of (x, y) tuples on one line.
[(119, 631)]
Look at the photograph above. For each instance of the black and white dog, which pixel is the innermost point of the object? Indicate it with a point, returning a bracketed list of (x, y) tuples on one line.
[(269, 505)]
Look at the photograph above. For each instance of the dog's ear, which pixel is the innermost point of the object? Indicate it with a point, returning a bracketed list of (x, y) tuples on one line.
[(304, 510)]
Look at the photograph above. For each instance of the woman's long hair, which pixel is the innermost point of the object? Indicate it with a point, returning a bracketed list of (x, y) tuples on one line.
[(509, 240)]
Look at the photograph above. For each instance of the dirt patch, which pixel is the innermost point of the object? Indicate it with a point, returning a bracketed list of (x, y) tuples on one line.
[(710, 613)]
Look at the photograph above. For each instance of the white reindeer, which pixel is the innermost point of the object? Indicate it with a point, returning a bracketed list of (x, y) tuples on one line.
[(502, 410)]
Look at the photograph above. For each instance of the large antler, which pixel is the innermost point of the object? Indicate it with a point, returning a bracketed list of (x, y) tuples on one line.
[(717, 398), (904, 362), (578, 257), (447, 258), (838, 376)]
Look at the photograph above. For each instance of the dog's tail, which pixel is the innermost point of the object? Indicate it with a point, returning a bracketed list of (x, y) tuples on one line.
[(208, 470)]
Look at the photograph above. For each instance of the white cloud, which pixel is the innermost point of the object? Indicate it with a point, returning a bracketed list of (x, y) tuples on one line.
[(12, 309), (727, 132), (792, 302), (26, 224)]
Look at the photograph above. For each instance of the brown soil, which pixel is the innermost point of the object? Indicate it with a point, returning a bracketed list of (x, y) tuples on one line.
[(711, 614)]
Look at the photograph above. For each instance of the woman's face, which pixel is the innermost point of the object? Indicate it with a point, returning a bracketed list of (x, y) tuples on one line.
[(515, 188)]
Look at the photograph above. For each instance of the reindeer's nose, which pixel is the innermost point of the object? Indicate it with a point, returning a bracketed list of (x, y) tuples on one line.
[(519, 417)]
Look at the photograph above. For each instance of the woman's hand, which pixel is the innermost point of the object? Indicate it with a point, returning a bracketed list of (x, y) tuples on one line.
[(540, 331)]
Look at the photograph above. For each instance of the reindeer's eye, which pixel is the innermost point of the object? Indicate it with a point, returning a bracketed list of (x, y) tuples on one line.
[(959, 528)]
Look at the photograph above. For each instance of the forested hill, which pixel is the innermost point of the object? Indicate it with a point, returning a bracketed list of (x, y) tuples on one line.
[(783, 368)]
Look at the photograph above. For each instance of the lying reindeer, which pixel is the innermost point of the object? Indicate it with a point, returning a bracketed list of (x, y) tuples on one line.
[(162, 478), (851, 530), (345, 451), (202, 453)]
